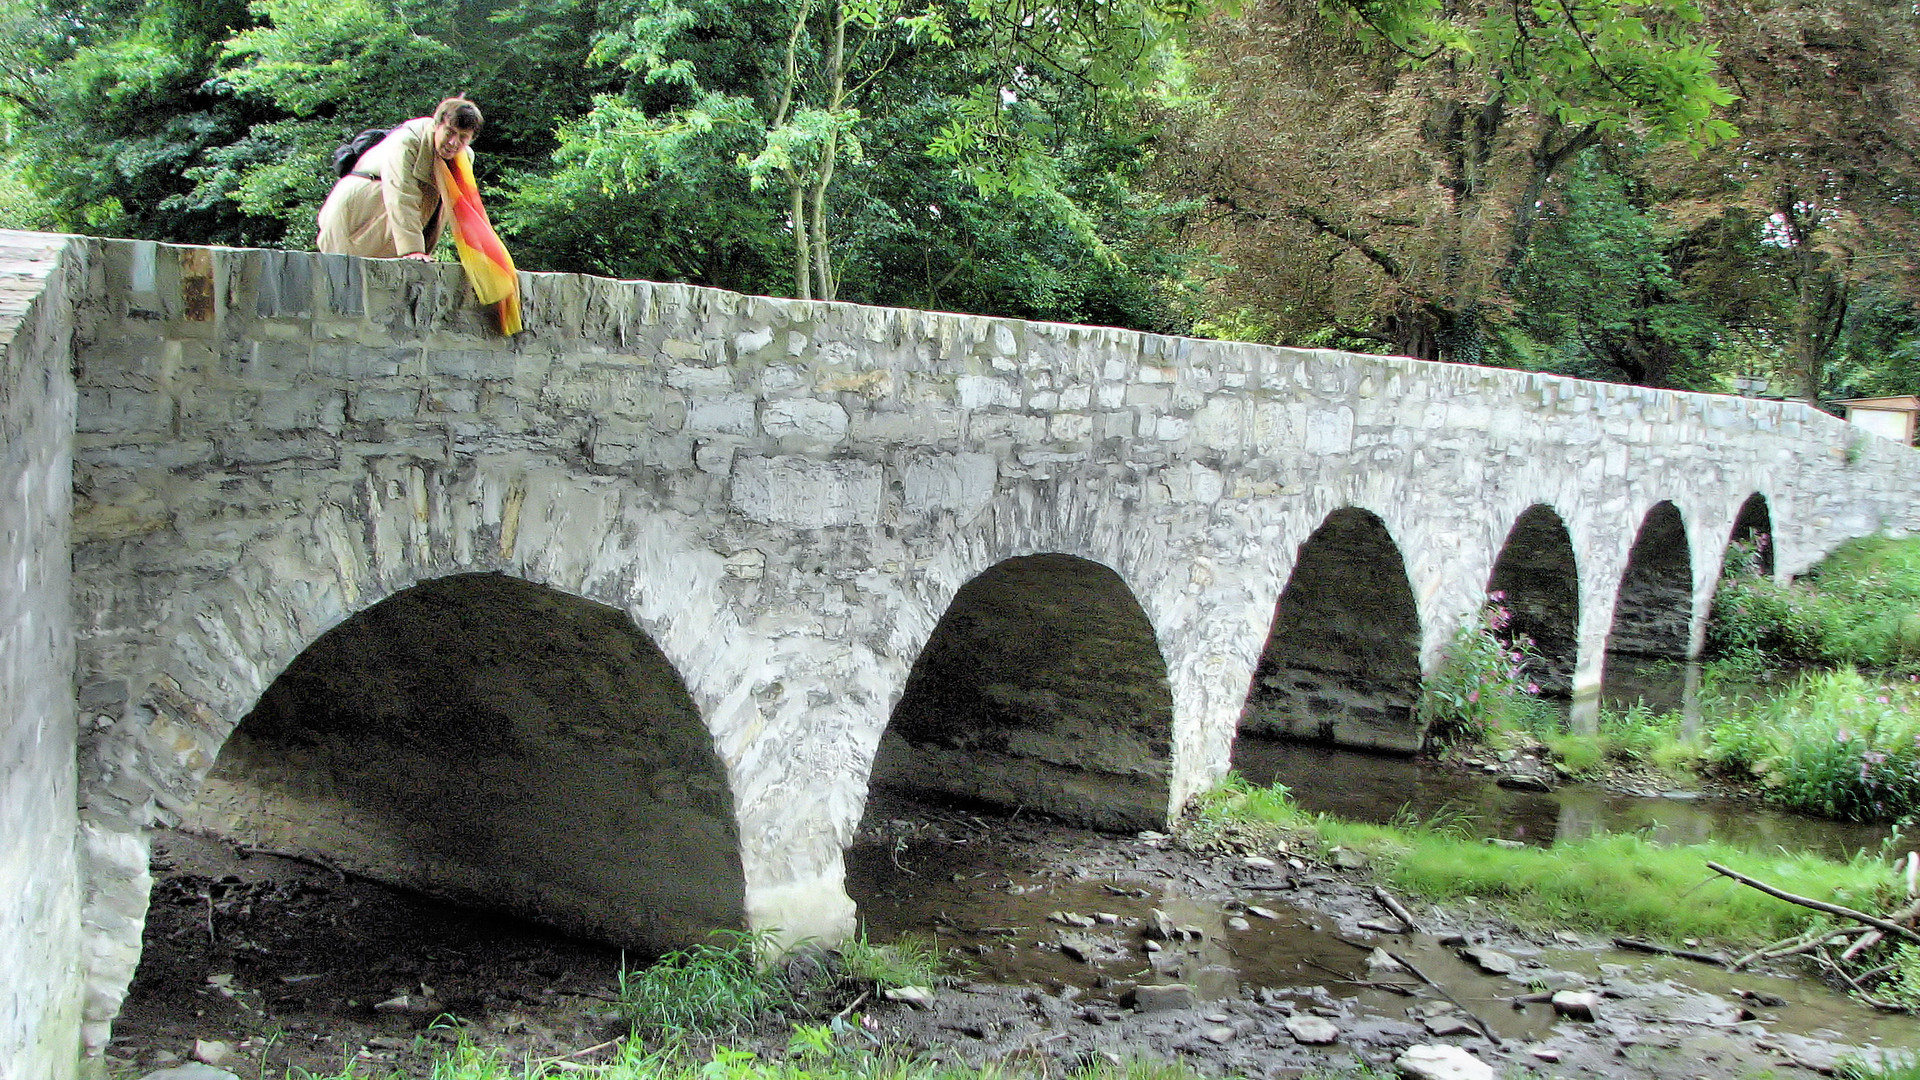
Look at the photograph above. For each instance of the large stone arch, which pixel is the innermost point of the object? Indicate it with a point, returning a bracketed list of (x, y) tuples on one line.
[(500, 744), (1342, 659), (1043, 687), (1653, 609), (1537, 580), (165, 704)]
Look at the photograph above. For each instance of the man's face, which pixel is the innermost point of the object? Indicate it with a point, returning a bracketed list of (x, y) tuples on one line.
[(448, 140)]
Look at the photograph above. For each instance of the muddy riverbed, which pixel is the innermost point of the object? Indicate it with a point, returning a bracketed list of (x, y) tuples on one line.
[(1063, 945)]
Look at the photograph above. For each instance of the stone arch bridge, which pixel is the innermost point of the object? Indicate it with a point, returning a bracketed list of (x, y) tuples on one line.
[(649, 595)]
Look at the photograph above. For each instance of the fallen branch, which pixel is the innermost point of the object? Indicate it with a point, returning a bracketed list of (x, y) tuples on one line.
[(1637, 945), (1800, 943), (1817, 905), (1485, 1029), (1858, 990), (1399, 912), (563, 1058)]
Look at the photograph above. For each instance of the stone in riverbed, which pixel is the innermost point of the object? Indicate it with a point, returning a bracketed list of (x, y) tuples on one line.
[(1432, 1061), (1168, 997), (1312, 1030), (1576, 1004), (1491, 961)]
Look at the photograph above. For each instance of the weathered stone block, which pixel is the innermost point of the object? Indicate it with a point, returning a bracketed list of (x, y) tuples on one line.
[(807, 493), (810, 418)]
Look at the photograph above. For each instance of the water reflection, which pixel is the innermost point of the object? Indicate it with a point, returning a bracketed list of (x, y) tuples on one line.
[(1372, 788)]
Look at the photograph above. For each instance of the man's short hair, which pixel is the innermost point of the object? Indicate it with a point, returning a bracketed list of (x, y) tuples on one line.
[(459, 114)]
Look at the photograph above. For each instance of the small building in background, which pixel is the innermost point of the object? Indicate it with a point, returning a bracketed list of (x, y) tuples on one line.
[(1894, 417)]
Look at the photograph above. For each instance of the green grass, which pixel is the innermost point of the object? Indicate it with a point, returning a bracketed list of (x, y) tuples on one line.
[(717, 987), (1620, 884), (910, 961)]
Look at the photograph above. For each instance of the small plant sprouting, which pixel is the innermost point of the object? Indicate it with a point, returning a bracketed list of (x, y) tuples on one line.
[(715, 987), (1483, 683)]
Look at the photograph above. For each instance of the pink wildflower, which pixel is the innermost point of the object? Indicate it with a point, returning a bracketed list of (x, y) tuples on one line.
[(1533, 688), (1473, 695)]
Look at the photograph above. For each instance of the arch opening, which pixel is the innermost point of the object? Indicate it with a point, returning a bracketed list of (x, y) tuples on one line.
[(1653, 612), (1342, 660), (1043, 688), (1752, 532), (499, 744), (1539, 584)]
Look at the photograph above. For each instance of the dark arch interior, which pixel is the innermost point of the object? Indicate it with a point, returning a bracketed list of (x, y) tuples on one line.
[(1753, 527), (499, 744), (1539, 585), (1043, 688), (1653, 612), (1342, 661)]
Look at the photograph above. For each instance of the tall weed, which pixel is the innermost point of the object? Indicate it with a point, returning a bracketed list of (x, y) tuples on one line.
[(1834, 744), (1482, 684)]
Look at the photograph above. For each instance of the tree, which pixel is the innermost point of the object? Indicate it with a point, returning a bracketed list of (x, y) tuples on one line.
[(107, 105), (860, 113), (1825, 174), (1412, 147)]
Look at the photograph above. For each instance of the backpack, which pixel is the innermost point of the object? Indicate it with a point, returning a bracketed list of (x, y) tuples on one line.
[(347, 154)]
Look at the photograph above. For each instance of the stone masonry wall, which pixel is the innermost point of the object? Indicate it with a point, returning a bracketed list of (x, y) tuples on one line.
[(39, 880), (786, 496)]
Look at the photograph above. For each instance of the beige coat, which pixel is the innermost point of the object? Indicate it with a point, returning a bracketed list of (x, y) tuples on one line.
[(393, 215)]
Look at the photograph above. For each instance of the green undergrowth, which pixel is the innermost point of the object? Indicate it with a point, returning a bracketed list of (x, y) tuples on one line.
[(1617, 884), (724, 986), (1860, 605), (813, 1052)]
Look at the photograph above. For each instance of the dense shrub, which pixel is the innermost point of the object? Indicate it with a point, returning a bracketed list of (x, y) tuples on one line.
[(1482, 684), (1833, 743), (1860, 606)]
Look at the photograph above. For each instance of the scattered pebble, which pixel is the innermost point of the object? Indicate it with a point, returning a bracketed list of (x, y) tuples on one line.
[(1576, 1004), (920, 997), (1238, 923), (212, 1052), (1164, 998)]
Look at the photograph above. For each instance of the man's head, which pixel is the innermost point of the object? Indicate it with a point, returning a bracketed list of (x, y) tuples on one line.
[(455, 123)]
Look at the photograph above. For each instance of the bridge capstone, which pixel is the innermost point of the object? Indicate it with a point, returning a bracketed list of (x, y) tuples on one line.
[(785, 499)]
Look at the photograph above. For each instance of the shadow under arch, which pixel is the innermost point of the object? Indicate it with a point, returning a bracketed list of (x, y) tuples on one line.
[(1342, 660), (1753, 529), (1539, 584), (1042, 687), (499, 744), (1653, 611)]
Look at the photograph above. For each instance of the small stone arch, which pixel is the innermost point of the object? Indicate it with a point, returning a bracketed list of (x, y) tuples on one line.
[(1653, 610), (1342, 658), (500, 744), (1753, 528), (1537, 579), (1042, 686)]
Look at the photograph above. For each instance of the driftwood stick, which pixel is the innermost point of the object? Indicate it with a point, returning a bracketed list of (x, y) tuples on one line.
[(1485, 1029), (1399, 911), (1661, 950), (1817, 905)]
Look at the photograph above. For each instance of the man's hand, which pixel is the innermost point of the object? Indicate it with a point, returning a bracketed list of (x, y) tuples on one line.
[(418, 256)]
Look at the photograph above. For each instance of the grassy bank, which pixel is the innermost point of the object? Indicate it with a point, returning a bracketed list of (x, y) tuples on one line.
[(1860, 606), (1619, 884)]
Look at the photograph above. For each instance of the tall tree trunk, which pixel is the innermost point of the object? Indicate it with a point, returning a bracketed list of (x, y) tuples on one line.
[(802, 250)]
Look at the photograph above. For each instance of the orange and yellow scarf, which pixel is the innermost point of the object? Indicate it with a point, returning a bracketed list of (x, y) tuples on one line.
[(489, 267)]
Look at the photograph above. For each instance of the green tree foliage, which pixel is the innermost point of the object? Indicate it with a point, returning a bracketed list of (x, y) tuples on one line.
[(881, 151), (106, 106), (1598, 294)]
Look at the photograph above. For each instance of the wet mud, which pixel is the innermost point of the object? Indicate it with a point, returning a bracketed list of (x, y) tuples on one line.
[(1068, 947)]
